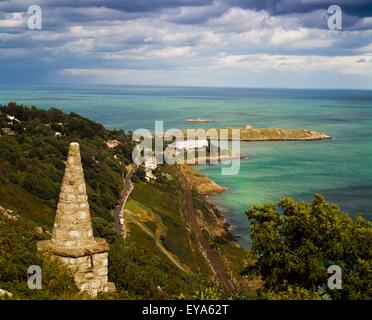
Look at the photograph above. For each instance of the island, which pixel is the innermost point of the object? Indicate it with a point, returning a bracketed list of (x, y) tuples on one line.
[(199, 120)]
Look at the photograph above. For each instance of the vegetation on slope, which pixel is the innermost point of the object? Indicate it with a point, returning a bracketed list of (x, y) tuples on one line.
[(18, 239), (32, 155), (32, 161), (296, 245)]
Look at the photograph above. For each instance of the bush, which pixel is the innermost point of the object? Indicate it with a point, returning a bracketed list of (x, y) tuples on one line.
[(104, 229), (295, 247)]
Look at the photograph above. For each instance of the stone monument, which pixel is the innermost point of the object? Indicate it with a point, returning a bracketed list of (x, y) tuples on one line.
[(72, 239)]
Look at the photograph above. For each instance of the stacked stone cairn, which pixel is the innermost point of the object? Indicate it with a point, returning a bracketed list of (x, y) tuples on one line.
[(72, 238)]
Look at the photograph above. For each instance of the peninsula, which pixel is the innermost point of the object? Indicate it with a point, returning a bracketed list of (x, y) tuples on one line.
[(249, 133)]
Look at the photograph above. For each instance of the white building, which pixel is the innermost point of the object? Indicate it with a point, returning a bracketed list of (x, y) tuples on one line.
[(191, 144), (12, 118), (111, 144), (150, 165)]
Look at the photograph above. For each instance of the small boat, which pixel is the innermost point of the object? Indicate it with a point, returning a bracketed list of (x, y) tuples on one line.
[(199, 120)]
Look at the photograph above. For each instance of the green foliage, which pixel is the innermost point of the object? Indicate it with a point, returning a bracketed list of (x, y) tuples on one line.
[(174, 235), (136, 271), (292, 293), (33, 159), (18, 252), (139, 175), (210, 293), (295, 247), (243, 291), (144, 274), (164, 178), (57, 283), (103, 229)]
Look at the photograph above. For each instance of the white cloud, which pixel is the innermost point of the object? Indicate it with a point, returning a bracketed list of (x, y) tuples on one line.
[(13, 20), (148, 52), (299, 63), (240, 20)]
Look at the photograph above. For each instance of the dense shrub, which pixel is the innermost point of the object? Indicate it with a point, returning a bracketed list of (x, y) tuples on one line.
[(296, 245)]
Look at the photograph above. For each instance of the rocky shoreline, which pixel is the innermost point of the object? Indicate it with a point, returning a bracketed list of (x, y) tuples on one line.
[(206, 186)]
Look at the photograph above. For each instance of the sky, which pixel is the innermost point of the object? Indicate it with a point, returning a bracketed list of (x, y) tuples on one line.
[(228, 43)]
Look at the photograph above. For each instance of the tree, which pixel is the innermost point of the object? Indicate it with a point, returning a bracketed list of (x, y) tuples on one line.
[(103, 229), (295, 247)]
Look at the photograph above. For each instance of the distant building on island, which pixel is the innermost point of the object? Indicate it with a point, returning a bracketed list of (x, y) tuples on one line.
[(199, 120)]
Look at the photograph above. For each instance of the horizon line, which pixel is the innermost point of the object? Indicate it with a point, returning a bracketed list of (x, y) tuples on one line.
[(179, 86)]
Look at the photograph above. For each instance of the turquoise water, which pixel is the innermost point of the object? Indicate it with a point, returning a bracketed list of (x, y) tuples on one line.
[(338, 168)]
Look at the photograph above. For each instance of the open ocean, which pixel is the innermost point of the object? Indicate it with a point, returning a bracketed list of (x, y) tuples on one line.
[(339, 168)]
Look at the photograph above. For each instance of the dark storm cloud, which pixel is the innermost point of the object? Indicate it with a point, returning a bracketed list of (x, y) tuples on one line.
[(61, 12), (359, 8), (144, 5), (123, 5)]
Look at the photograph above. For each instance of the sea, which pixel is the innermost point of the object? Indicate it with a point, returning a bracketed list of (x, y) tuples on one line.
[(339, 168)]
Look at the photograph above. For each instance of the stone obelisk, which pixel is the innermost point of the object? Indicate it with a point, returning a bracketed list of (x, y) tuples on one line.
[(72, 239)]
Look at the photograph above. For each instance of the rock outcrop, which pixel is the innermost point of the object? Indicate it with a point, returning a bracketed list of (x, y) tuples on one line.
[(201, 182), (8, 214)]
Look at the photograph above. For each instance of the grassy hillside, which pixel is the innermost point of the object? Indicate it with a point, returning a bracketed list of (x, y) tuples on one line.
[(160, 258)]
